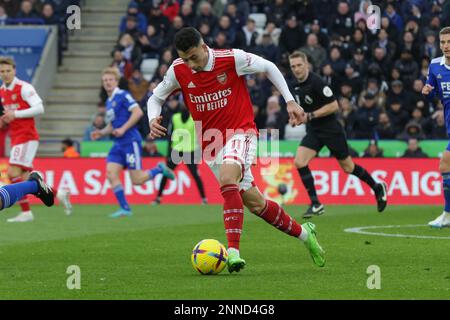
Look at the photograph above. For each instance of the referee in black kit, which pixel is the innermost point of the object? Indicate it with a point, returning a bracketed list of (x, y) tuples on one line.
[(323, 129)]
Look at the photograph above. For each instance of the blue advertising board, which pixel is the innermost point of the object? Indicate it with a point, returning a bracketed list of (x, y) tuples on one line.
[(25, 45)]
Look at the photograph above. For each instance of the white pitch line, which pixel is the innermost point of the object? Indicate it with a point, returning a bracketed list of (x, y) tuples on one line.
[(360, 230)]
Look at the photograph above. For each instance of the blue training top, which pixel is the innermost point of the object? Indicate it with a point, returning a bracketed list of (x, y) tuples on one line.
[(118, 112), (439, 78)]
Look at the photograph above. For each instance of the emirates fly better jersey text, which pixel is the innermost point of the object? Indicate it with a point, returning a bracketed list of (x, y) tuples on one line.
[(217, 96)]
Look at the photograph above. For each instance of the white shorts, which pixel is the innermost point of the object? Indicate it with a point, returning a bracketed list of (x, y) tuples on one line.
[(240, 149), (22, 155)]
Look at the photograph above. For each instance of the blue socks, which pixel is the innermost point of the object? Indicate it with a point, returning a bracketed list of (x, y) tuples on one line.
[(11, 193), (446, 185), (120, 196), (153, 172)]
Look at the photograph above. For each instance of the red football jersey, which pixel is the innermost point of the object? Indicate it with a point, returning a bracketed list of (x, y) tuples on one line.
[(217, 97), (17, 97)]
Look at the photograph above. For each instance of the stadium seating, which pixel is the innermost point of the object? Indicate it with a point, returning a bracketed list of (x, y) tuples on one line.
[(75, 94), (260, 19), (90, 50), (148, 68)]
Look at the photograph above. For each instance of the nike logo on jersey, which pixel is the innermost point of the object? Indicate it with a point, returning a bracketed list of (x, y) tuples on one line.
[(191, 85)]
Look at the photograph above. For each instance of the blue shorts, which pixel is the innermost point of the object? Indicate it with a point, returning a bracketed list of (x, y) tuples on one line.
[(448, 147), (128, 155)]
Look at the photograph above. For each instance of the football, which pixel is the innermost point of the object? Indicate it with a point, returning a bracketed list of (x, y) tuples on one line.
[(209, 256)]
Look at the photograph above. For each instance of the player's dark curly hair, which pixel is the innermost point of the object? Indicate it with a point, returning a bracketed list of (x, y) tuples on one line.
[(187, 38)]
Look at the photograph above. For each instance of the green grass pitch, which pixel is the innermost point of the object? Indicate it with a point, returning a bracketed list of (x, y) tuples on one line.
[(147, 256)]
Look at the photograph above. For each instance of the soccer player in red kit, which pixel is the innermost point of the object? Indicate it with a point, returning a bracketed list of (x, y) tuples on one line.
[(214, 90), (21, 104)]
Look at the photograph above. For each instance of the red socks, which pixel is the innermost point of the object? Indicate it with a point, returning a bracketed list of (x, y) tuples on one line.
[(24, 203), (276, 216), (233, 214)]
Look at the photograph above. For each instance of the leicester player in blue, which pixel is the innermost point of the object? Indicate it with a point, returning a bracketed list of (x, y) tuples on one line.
[(438, 83), (35, 185), (122, 115)]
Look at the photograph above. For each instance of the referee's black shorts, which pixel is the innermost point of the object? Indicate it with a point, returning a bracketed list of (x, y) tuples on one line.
[(331, 135)]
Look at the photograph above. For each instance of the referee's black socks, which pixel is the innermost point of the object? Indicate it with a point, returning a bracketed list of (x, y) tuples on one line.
[(308, 182), (362, 174)]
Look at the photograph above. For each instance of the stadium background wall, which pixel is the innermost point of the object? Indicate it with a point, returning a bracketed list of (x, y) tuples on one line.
[(287, 149), (410, 181)]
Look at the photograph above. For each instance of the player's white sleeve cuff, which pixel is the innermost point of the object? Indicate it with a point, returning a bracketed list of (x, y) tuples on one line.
[(133, 106), (154, 105), (31, 112)]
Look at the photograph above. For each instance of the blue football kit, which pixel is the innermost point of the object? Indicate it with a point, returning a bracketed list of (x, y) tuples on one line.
[(439, 78), (127, 149)]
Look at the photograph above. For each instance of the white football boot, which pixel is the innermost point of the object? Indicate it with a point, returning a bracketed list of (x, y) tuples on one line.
[(446, 221), (26, 216), (442, 221), (63, 196)]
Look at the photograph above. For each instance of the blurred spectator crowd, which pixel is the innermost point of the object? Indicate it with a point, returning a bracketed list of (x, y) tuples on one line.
[(38, 12), (376, 75)]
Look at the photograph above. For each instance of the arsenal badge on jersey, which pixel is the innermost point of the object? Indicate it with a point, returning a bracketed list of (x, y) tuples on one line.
[(222, 78)]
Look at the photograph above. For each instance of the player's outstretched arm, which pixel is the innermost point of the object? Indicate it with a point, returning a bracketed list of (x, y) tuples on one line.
[(30, 95), (429, 87), (296, 113), (155, 102), (248, 63), (323, 111), (101, 133), (156, 129)]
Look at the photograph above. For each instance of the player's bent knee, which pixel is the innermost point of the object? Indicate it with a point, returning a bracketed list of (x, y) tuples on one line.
[(138, 181), (14, 172), (227, 179), (347, 169), (443, 168), (347, 166), (112, 176), (251, 206), (300, 163), (255, 206), (444, 163)]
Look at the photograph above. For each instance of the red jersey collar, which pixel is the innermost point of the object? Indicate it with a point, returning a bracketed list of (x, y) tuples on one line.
[(210, 64)]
